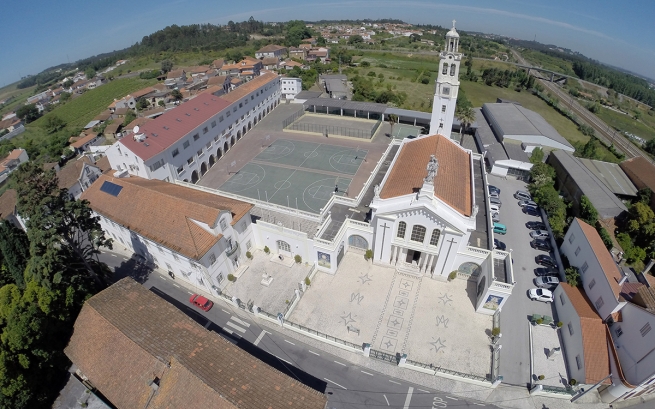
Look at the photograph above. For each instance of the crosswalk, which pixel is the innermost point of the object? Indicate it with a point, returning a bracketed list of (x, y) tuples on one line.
[(236, 325)]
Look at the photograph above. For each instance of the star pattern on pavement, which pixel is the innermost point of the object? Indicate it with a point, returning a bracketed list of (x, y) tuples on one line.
[(347, 319), (389, 344), (395, 322), (365, 278), (445, 299), (438, 344)]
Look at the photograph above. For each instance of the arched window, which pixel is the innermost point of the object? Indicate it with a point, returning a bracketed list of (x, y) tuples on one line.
[(452, 69), (402, 226), (445, 68), (434, 239), (358, 241), (418, 233), (283, 246)]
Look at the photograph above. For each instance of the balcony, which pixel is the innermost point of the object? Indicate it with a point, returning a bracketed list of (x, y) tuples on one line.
[(231, 251)]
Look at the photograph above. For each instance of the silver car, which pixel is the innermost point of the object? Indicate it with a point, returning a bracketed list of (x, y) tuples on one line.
[(539, 234), (546, 282)]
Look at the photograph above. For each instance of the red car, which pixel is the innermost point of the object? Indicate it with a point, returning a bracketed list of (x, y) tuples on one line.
[(201, 302)]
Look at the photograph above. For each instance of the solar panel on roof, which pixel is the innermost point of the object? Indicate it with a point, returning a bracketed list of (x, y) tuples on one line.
[(111, 188)]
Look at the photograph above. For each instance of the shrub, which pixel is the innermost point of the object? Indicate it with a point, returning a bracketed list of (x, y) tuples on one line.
[(573, 382), (607, 239), (371, 74), (266, 250), (297, 258), (539, 321), (307, 281), (286, 301), (425, 80), (369, 254), (231, 277), (248, 254), (495, 331), (381, 65), (559, 324), (365, 64), (541, 377), (452, 275), (572, 276)]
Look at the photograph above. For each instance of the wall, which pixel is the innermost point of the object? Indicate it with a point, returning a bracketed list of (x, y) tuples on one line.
[(636, 352), (572, 344), (267, 234)]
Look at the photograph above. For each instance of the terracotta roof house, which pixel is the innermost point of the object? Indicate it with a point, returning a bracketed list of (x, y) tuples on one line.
[(140, 351), (103, 116), (642, 173), (77, 176), (248, 67), (82, 144), (112, 129), (270, 63), (200, 227), (11, 162), (8, 208), (217, 64)]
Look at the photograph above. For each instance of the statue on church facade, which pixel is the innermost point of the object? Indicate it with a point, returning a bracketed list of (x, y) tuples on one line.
[(376, 191), (433, 167)]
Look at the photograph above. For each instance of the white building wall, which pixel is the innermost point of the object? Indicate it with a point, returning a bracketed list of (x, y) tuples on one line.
[(571, 338), (290, 87), (594, 281), (635, 343)]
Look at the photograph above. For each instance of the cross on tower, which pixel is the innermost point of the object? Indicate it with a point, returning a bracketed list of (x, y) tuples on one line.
[(454, 23)]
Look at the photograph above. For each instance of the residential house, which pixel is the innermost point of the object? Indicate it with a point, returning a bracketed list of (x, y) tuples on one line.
[(247, 68), (40, 97), (125, 102), (271, 51), (271, 63), (77, 176), (298, 53), (202, 240), (321, 54), (8, 210), (11, 162), (290, 64), (642, 173), (221, 81), (175, 78), (177, 365), (103, 116), (290, 87), (217, 64), (82, 143), (112, 129)]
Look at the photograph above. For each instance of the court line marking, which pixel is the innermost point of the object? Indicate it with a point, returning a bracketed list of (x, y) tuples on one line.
[(408, 399), (423, 390), (450, 397), (291, 149), (397, 383), (225, 186), (287, 179), (343, 387), (385, 398)]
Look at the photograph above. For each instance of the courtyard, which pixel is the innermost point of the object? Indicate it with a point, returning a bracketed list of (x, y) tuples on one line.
[(432, 322)]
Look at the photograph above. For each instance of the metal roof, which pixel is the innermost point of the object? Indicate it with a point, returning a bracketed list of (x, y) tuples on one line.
[(344, 104), (308, 94), (612, 176), (490, 144), (406, 113), (335, 85)]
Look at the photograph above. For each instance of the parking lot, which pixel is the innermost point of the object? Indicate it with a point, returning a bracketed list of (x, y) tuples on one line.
[(514, 318)]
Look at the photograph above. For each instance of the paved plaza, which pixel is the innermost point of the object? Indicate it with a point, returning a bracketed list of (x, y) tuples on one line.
[(432, 322), (271, 299), (544, 338)]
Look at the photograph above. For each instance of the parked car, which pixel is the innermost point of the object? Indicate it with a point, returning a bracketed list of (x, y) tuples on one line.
[(539, 234), (493, 188), (499, 245), (540, 294), (545, 271), (494, 208), (495, 216), (531, 210), (527, 203), (201, 302), (546, 261), (535, 226), (494, 194), (496, 201), (546, 281), (539, 244), (522, 195), (500, 228)]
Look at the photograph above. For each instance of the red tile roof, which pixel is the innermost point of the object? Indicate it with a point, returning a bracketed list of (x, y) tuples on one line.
[(8, 203), (594, 336), (256, 83), (607, 264), (640, 171), (453, 181), (70, 174), (126, 336), (174, 125), (142, 204)]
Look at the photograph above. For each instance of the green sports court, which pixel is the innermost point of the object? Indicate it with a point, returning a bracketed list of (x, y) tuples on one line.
[(297, 174), (402, 131)]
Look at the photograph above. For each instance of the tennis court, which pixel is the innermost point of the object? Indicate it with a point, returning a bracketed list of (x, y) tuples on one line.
[(402, 131), (297, 174)]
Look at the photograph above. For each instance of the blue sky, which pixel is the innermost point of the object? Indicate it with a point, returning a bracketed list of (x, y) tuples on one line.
[(41, 33)]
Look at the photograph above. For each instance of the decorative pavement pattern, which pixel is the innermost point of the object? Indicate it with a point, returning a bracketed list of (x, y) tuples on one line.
[(395, 320)]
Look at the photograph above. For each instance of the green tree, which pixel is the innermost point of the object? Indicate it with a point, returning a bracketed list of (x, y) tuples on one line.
[(142, 104), (28, 113), (90, 73), (541, 175), (573, 276), (14, 248), (607, 239), (355, 39), (129, 117), (537, 156), (644, 195), (296, 31), (466, 117), (588, 212), (166, 66), (176, 95), (649, 146), (64, 96), (67, 83), (53, 123), (590, 149)]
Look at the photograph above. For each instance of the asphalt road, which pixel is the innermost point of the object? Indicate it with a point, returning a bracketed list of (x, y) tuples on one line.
[(348, 386)]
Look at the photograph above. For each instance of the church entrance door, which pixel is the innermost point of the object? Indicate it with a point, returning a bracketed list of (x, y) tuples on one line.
[(412, 256)]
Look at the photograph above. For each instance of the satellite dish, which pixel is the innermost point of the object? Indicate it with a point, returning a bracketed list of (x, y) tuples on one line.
[(136, 129)]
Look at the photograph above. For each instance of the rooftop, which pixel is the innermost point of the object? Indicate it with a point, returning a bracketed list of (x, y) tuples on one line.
[(640, 171), (142, 204), (345, 104), (126, 337), (70, 174), (8, 203), (245, 89), (453, 181), (605, 259), (611, 175)]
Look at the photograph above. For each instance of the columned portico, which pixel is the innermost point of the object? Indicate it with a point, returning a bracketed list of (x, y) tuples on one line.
[(408, 260)]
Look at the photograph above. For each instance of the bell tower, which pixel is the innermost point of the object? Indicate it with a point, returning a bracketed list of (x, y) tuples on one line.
[(445, 95)]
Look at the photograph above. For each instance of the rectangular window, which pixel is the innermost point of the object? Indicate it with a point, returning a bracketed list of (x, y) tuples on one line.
[(220, 278), (599, 303), (645, 329), (213, 124), (235, 109), (228, 114), (180, 170), (570, 328), (240, 104), (578, 362), (571, 238), (585, 266), (562, 299), (190, 160), (577, 250), (443, 108), (186, 144), (196, 137), (212, 258), (199, 152), (618, 331), (220, 118), (251, 98), (168, 266), (209, 145), (157, 165), (176, 257), (216, 138), (245, 102), (223, 224), (248, 245), (592, 283), (205, 130), (175, 152)]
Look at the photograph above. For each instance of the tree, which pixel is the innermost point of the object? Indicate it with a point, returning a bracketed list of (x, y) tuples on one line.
[(64, 235), (142, 104), (129, 117), (644, 195), (28, 113), (466, 117), (392, 119), (607, 239), (176, 95), (296, 31), (355, 39), (166, 66), (588, 212), (64, 96), (573, 276), (14, 248), (590, 149), (161, 103), (649, 146), (537, 156), (90, 73), (53, 123), (67, 83)]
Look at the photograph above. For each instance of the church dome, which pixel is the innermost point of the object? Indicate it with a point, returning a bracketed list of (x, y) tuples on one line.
[(452, 33)]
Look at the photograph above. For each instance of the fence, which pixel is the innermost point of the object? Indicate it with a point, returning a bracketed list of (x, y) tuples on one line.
[(322, 335), (383, 356), (291, 119), (558, 389), (333, 130), (446, 371)]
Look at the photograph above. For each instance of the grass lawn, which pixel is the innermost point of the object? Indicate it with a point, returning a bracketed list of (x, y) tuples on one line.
[(19, 94), (629, 124), (79, 111), (548, 62)]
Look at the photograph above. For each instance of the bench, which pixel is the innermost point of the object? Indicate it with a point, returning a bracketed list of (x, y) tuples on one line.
[(353, 329)]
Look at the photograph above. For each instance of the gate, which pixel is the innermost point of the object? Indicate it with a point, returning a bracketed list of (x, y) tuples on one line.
[(383, 356)]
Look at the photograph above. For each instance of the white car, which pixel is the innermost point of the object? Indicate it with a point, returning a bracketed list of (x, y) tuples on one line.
[(540, 294), (546, 281), (494, 208), (539, 234)]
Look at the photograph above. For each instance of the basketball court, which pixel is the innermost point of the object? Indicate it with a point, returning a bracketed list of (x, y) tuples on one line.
[(297, 174), (402, 131)]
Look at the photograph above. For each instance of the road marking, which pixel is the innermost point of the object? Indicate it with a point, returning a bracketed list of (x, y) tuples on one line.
[(176, 285), (229, 331), (385, 398), (479, 404), (312, 352), (450, 397), (326, 379), (225, 311), (244, 323), (423, 390), (408, 399), (369, 374), (114, 255), (337, 362), (259, 338), (282, 359), (397, 383), (208, 324), (189, 292), (289, 342), (236, 327)]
